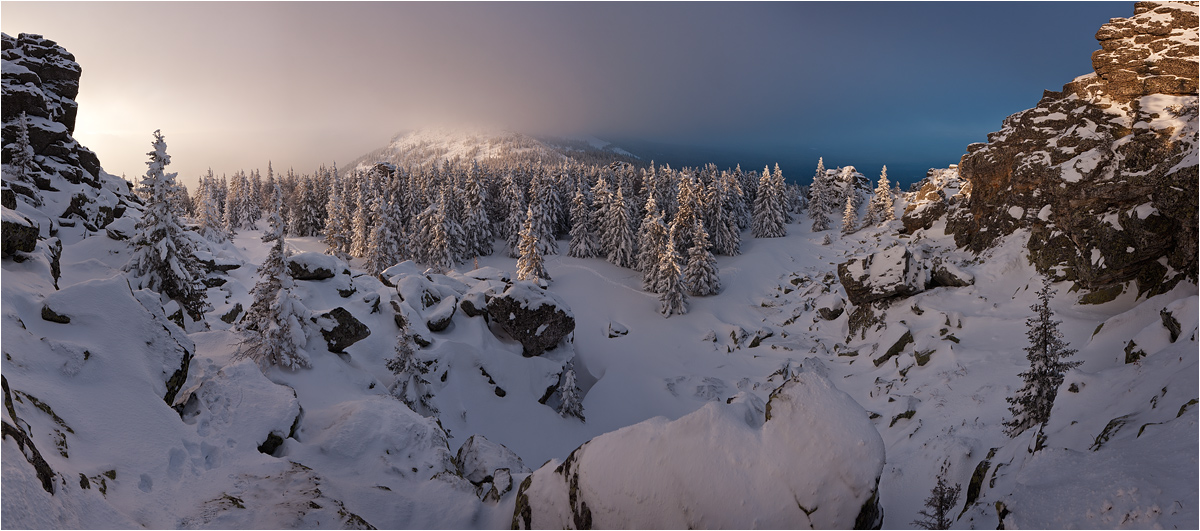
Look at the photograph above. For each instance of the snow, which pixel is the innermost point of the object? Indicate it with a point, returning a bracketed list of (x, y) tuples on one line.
[(1016, 212), (1144, 210), (360, 445), (812, 461)]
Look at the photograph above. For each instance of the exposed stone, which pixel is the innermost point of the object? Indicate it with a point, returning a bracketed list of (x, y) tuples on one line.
[(312, 266), (534, 317), (232, 314), (1103, 172), (441, 316), (890, 273), (18, 234), (346, 332), (1171, 324), (53, 316)]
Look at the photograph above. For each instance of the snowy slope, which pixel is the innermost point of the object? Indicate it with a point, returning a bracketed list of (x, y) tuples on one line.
[(763, 328)]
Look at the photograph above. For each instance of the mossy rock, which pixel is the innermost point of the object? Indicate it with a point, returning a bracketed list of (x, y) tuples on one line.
[(906, 415)]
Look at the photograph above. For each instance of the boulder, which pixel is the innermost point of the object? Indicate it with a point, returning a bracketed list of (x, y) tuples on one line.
[(474, 304), (889, 273), (313, 266), (346, 331), (536, 318), (812, 459), (478, 459), (440, 317), (19, 233)]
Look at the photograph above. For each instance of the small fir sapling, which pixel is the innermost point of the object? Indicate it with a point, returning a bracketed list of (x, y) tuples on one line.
[(1032, 404)]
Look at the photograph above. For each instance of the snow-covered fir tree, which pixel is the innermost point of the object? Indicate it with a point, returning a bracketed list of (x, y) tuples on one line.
[(880, 209), (163, 258), (780, 188), (769, 218), (726, 236), (233, 205), (541, 200), (516, 214), (652, 237), (274, 326), (571, 404), (602, 199), (672, 299), (381, 252), (410, 387), (686, 213), (361, 222), (208, 210), (1046, 352), (337, 227), (476, 225), (583, 229), (700, 276), (820, 194), (619, 232), (849, 217), (531, 265), (22, 166)]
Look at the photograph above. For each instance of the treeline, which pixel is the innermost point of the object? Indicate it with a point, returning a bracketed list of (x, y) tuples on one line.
[(665, 222)]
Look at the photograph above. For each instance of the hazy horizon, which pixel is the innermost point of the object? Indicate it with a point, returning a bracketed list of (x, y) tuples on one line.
[(235, 85)]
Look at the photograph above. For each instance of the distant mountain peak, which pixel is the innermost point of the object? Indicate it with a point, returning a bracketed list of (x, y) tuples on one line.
[(423, 147)]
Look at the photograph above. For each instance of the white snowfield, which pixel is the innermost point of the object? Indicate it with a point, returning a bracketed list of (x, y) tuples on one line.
[(809, 458), (675, 408)]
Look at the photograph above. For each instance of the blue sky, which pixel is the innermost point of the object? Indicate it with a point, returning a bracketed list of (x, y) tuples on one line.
[(232, 85)]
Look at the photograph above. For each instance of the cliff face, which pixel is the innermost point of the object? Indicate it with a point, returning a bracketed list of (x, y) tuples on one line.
[(67, 185), (1104, 172)]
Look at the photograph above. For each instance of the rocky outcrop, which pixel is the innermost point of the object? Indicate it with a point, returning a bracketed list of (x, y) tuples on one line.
[(934, 196), (897, 272), (1104, 172), (41, 80), (536, 318), (809, 458), (345, 331)]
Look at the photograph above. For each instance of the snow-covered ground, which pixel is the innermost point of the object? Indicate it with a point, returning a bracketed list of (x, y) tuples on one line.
[(1120, 448)]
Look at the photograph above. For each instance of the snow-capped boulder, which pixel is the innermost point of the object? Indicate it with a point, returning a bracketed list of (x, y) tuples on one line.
[(344, 331), (19, 233), (814, 461), (1104, 172), (440, 316), (893, 272), (214, 406), (314, 266), (366, 433), (536, 318), (479, 458)]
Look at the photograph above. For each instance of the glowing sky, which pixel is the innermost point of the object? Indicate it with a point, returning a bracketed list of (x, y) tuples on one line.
[(233, 85)]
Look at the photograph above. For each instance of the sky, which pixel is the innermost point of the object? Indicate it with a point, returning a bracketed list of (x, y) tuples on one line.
[(234, 85)]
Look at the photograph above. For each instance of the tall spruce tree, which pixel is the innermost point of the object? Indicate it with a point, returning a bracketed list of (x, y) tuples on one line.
[(819, 196), (337, 227), (769, 217), (672, 299), (531, 265), (880, 209), (163, 258), (275, 324), (652, 237), (583, 229), (940, 504), (476, 225), (849, 217), (618, 231), (23, 166), (701, 276), (1032, 404)]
